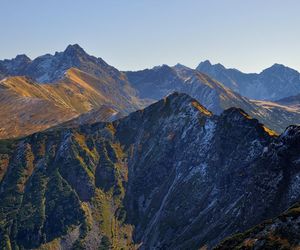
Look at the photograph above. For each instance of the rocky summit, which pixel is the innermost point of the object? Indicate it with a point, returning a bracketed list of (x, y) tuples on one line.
[(170, 176), (273, 83)]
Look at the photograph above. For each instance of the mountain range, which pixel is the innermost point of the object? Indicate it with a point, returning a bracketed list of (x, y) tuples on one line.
[(161, 158), (273, 83), (171, 176), (70, 83), (160, 81), (30, 105)]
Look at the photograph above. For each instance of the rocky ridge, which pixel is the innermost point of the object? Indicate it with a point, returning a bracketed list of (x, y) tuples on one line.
[(171, 176)]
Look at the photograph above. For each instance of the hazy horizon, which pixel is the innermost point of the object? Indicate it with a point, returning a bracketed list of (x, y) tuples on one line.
[(249, 36)]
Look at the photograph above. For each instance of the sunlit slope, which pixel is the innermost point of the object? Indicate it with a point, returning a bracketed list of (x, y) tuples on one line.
[(28, 107)]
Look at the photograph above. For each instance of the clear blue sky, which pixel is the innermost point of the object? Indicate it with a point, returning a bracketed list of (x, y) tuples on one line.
[(135, 34)]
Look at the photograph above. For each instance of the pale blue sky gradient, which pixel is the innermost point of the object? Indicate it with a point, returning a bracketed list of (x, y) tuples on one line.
[(134, 34)]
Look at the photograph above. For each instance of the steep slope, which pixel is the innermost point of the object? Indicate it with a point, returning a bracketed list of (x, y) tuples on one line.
[(273, 83), (171, 176), (279, 233), (160, 81), (27, 107)]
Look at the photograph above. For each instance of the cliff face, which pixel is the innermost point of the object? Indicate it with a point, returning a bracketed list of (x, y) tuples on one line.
[(171, 176), (279, 233)]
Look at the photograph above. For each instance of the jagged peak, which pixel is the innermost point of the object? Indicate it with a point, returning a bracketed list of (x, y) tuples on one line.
[(74, 49), (277, 67), (207, 65), (182, 100), (180, 66), (23, 58), (18, 58), (161, 67)]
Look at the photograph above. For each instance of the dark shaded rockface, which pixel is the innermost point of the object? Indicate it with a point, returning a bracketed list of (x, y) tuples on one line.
[(279, 233), (273, 83), (171, 176), (283, 232)]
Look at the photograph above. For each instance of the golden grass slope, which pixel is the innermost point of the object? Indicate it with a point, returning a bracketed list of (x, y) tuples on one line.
[(28, 107)]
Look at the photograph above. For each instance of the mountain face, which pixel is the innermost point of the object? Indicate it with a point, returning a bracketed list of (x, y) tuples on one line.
[(50, 68), (16, 66), (160, 81), (28, 106), (279, 233), (171, 176), (273, 83)]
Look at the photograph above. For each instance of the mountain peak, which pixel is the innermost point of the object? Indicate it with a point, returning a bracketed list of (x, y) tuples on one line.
[(235, 113), (207, 66), (180, 66), (74, 49), (278, 68), (180, 101), (23, 58), (204, 65), (206, 62)]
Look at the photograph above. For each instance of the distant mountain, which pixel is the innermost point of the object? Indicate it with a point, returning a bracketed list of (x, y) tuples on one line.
[(50, 68), (15, 66), (272, 83), (162, 80), (27, 106), (170, 176), (70, 83)]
